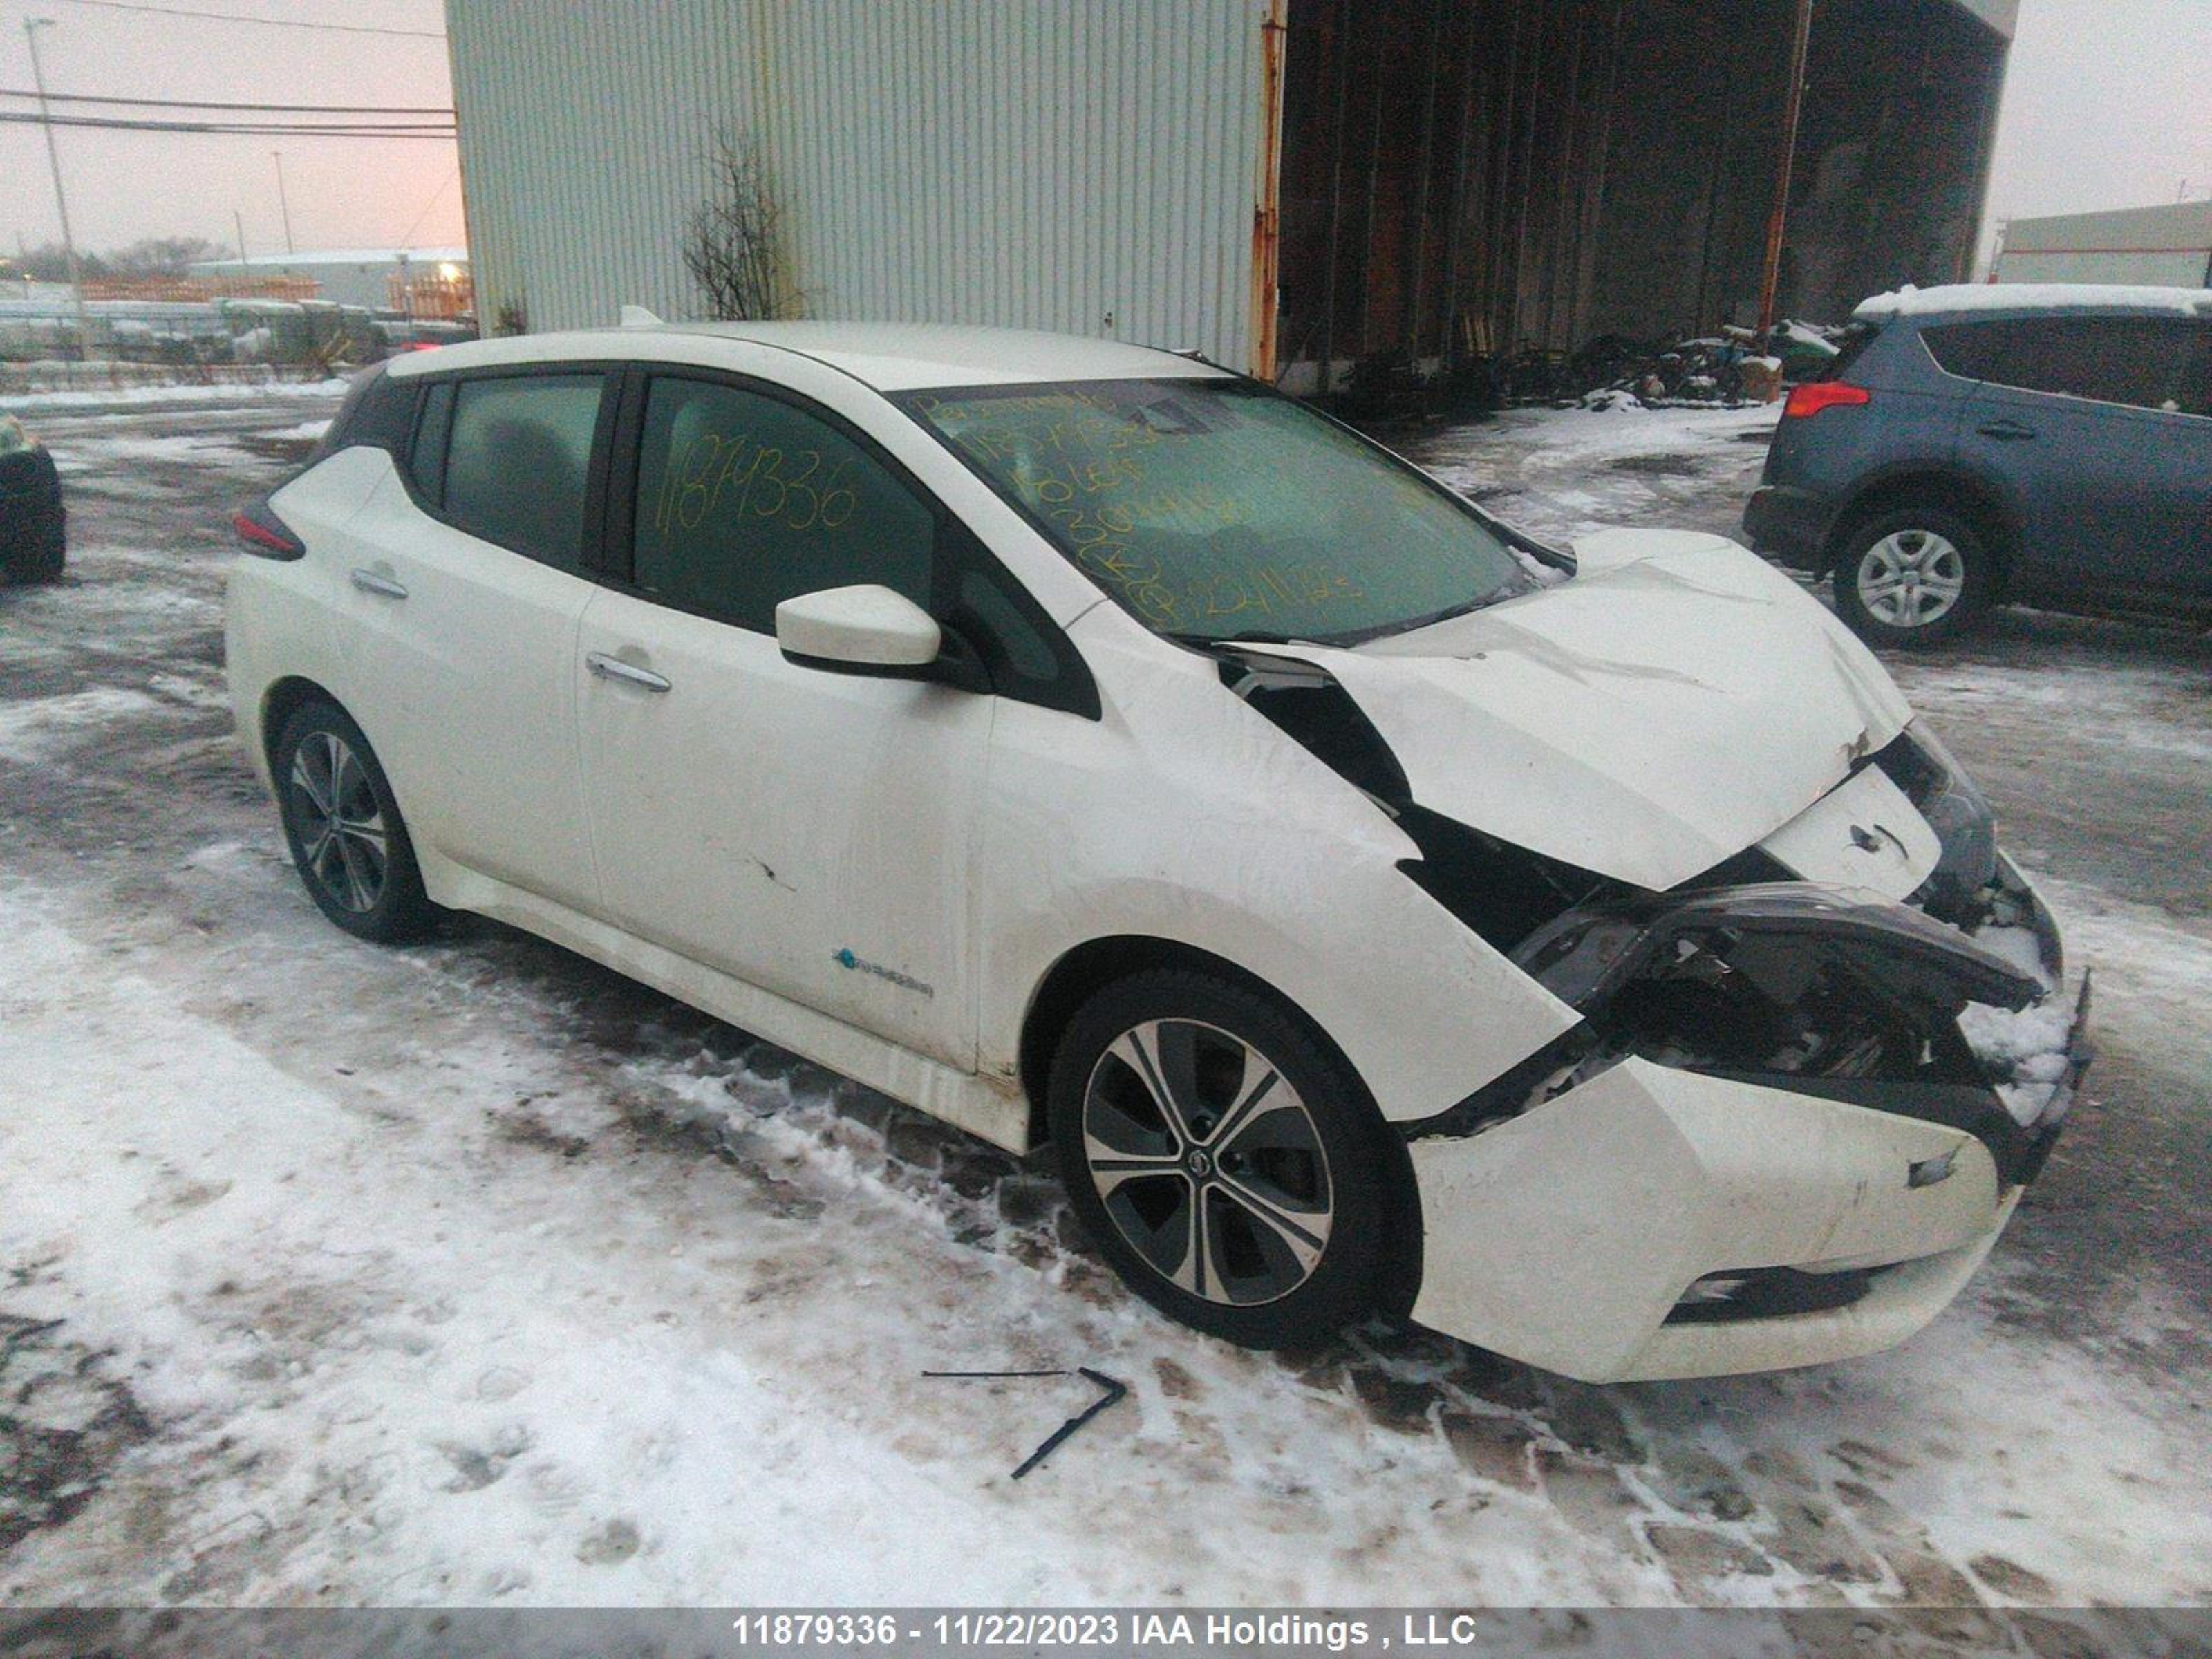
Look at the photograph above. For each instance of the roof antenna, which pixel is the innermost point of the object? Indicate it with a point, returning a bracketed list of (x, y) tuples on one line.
[(638, 316)]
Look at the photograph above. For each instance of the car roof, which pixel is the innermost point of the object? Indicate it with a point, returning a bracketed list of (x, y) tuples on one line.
[(887, 357), (2035, 299)]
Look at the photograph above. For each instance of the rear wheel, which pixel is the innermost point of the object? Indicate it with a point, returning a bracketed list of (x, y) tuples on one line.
[(1913, 576), (344, 829), (1234, 1172)]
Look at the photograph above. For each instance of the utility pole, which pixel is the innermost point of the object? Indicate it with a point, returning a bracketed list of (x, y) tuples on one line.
[(283, 202), (238, 223), (1793, 107), (31, 27)]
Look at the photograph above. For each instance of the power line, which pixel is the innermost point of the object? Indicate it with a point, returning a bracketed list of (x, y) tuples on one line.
[(269, 22), (452, 179), (234, 129), (267, 109)]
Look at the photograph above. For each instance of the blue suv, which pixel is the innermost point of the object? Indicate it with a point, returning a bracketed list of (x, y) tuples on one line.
[(1973, 445)]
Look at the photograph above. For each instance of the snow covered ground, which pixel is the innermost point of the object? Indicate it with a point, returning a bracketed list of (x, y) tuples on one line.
[(472, 1273), (101, 400)]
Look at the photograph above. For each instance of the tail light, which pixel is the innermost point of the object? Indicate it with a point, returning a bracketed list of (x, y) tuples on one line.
[(261, 533), (1809, 399)]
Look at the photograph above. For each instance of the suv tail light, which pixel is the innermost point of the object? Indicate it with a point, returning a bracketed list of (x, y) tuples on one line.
[(1809, 399), (260, 532)]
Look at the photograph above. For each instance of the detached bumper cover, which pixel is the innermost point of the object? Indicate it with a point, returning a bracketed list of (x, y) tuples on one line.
[(1664, 1194), (1571, 1237)]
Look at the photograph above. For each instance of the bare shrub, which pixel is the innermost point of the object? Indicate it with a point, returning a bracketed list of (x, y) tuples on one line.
[(732, 246)]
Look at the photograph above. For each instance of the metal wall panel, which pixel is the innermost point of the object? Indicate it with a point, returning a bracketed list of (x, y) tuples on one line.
[(2176, 226), (2191, 268), (1088, 165)]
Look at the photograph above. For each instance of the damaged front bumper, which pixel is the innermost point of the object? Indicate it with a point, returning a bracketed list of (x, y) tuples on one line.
[(1769, 1144)]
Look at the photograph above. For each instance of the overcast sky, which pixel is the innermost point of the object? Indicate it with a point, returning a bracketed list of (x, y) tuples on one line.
[(124, 185), (2110, 105)]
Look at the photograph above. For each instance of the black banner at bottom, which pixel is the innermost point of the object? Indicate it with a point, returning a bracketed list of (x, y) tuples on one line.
[(1155, 1633)]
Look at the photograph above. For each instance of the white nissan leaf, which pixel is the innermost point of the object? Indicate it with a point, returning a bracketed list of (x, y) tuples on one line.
[(1378, 913)]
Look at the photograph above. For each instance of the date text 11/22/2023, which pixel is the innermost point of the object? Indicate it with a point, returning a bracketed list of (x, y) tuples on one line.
[(1148, 1631)]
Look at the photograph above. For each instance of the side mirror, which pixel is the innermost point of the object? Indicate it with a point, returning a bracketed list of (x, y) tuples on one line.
[(871, 630)]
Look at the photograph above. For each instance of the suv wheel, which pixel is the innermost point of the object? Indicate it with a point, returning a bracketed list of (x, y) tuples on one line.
[(1913, 576), (1235, 1173), (344, 828)]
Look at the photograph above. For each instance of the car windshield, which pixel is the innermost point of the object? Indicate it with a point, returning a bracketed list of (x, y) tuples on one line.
[(1216, 510)]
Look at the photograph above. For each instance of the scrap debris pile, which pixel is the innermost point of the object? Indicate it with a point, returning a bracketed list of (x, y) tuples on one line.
[(1737, 365)]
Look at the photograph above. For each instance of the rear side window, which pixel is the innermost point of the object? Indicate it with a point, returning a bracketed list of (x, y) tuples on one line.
[(2140, 361), (518, 461), (377, 413), (745, 500)]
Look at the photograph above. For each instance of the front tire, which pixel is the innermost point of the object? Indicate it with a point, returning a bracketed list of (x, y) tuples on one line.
[(1913, 576), (343, 826), (1233, 1170)]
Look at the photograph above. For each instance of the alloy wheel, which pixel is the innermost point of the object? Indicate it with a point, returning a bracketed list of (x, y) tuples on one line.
[(342, 840), (1911, 578), (1207, 1161)]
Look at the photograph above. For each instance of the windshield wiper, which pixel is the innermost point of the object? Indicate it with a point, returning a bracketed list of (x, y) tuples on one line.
[(1202, 640), (1511, 587)]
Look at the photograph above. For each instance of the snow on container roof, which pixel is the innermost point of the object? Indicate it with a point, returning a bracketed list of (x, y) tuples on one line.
[(336, 255), (2024, 297)]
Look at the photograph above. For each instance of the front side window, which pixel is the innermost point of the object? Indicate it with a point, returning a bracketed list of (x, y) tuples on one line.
[(2139, 362), (518, 462), (745, 500), (1216, 510)]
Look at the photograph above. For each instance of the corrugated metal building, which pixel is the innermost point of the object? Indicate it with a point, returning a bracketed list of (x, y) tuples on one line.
[(1291, 185), (2168, 246)]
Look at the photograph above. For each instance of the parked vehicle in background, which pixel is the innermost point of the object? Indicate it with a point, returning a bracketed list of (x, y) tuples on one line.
[(32, 517), (1376, 911), (1974, 446)]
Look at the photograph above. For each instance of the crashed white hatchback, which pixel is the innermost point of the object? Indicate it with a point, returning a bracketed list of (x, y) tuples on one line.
[(1376, 910)]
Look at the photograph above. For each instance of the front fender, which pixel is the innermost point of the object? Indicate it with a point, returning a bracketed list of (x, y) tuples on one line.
[(1289, 873)]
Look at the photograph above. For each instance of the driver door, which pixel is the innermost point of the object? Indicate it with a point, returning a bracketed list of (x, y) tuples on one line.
[(808, 832)]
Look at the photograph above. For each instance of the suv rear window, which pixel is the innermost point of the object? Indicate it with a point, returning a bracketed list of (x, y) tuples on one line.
[(1850, 345), (2140, 361)]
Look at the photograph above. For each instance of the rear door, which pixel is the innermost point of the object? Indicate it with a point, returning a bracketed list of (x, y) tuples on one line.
[(2089, 422), (471, 574)]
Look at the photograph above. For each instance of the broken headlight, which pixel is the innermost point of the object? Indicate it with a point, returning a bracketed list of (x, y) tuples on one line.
[(1781, 979), (1937, 786)]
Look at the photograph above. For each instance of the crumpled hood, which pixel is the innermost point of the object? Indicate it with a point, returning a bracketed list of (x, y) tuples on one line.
[(1676, 703)]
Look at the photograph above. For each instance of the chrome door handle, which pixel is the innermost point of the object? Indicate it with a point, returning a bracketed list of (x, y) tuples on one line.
[(614, 668), (369, 582)]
